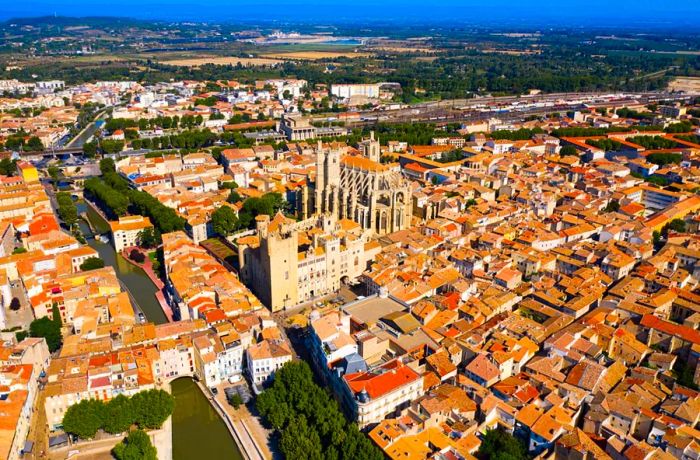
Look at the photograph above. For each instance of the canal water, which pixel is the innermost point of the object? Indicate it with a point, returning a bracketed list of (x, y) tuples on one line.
[(198, 431), (135, 279)]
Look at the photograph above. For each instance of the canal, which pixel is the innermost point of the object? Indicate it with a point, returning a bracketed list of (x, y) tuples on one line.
[(139, 284), (198, 431)]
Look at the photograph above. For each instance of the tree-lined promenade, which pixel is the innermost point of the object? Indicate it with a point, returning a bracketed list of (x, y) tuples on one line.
[(113, 194)]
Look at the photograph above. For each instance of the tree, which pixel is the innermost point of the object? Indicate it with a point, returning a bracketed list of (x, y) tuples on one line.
[(235, 400), (92, 263), (234, 197), (268, 204), (568, 150), (152, 408), (148, 238), (300, 441), (8, 167), (108, 198), (53, 173), (136, 446), (67, 210), (48, 329), (21, 335), (137, 256), (110, 146), (309, 421), (229, 185), (34, 144), (609, 145), (118, 415), (662, 159), (224, 221), (14, 304), (499, 445), (90, 149), (165, 219), (107, 165), (677, 225), (612, 206), (84, 418), (147, 409), (56, 314)]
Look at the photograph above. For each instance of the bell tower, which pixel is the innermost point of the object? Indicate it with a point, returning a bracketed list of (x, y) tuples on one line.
[(370, 148)]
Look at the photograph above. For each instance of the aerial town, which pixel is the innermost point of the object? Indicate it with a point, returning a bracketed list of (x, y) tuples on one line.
[(263, 268)]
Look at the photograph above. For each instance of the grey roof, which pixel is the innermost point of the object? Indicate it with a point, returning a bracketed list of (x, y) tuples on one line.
[(355, 363)]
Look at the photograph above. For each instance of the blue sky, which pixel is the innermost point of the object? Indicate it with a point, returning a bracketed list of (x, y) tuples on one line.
[(609, 13)]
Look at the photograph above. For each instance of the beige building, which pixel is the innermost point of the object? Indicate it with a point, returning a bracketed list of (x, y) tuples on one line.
[(125, 231), (296, 128), (287, 262)]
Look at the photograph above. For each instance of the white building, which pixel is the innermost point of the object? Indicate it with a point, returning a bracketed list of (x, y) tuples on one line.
[(265, 357), (346, 91), (125, 231), (372, 395)]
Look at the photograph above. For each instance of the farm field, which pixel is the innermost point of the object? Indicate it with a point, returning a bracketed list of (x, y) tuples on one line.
[(314, 55), (217, 60)]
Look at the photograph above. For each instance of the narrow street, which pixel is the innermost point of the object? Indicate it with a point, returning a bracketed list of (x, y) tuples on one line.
[(38, 429)]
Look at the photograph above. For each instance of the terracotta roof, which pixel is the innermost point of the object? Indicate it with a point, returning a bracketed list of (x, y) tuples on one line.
[(394, 376)]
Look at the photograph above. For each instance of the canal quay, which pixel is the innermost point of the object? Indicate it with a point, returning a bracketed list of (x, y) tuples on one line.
[(198, 429)]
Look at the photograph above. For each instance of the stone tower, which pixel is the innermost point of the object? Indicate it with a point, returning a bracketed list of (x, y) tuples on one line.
[(268, 262), (370, 148), (320, 185), (327, 178)]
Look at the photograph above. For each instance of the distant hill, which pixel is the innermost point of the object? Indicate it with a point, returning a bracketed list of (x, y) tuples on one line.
[(69, 21)]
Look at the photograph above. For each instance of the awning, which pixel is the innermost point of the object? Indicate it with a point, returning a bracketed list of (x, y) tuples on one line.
[(58, 440)]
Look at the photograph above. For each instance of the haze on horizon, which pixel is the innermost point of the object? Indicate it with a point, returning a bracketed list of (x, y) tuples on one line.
[(623, 14)]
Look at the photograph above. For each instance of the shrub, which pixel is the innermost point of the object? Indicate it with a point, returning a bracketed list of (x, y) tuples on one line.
[(137, 256), (92, 263)]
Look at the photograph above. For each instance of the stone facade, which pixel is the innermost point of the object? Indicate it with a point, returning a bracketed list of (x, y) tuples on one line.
[(287, 262), (360, 188)]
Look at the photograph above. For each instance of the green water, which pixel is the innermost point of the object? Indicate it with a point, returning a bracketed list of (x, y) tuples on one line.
[(198, 431), (135, 279)]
